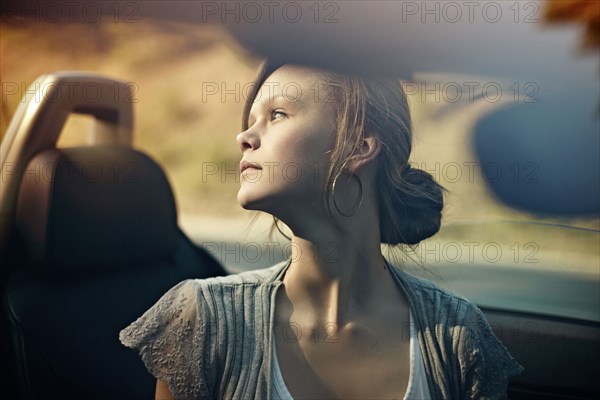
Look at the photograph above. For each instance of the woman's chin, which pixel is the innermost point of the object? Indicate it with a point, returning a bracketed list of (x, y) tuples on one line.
[(247, 201)]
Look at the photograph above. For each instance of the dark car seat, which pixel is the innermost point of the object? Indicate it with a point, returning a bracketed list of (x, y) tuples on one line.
[(96, 228)]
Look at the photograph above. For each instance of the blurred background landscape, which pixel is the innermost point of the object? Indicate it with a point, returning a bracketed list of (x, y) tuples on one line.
[(188, 131)]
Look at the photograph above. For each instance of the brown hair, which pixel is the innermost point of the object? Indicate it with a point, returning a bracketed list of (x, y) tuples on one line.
[(410, 200)]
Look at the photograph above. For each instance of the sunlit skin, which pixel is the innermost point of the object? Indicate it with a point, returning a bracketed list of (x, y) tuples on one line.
[(350, 317)]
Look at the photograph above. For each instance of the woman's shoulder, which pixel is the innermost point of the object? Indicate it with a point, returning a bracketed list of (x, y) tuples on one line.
[(459, 326), (251, 277), (187, 299), (171, 334), (425, 292), (442, 308)]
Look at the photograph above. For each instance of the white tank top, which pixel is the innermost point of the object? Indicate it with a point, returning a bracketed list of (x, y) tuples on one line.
[(417, 381)]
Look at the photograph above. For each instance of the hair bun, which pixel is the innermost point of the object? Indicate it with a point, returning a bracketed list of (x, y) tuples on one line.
[(419, 206)]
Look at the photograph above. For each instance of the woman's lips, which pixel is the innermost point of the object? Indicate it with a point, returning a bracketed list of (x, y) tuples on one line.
[(245, 165)]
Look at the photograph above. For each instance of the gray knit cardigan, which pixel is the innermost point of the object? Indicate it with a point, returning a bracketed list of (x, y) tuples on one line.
[(211, 338)]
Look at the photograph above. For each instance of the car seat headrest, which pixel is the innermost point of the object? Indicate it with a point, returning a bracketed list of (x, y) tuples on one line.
[(100, 207)]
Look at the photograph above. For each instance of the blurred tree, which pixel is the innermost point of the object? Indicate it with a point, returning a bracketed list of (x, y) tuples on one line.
[(586, 12)]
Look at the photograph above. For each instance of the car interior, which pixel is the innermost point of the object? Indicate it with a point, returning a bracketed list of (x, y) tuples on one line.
[(63, 309), (89, 237)]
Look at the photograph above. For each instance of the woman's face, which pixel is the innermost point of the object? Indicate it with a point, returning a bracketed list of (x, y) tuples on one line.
[(290, 131)]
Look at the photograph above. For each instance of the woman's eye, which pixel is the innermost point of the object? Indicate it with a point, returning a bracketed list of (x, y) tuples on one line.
[(273, 114)]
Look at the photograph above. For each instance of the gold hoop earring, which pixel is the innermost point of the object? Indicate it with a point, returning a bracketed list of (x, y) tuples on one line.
[(358, 204)]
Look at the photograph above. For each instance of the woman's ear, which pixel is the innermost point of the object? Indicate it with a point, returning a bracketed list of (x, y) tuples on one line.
[(365, 154)]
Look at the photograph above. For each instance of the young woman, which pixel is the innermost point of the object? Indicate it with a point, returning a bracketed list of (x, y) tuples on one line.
[(327, 154)]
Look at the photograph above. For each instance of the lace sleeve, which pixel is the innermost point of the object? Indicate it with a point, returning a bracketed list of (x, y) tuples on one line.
[(487, 365), (168, 337)]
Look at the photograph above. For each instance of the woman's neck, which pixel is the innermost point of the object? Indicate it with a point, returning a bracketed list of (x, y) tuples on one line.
[(335, 279), (337, 272)]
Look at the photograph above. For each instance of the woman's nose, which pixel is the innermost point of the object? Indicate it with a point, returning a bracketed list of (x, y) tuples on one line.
[(248, 140)]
